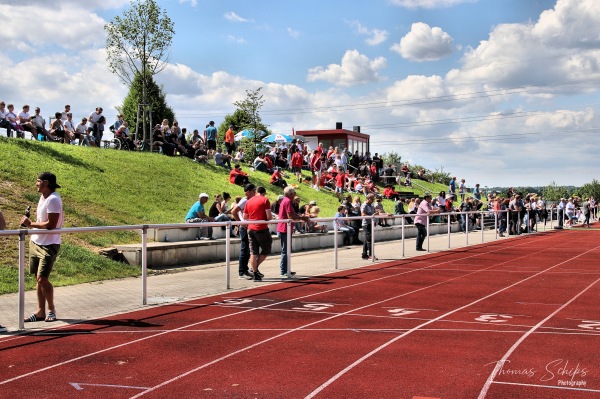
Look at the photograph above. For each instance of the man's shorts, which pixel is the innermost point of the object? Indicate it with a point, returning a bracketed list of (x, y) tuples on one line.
[(260, 241), (211, 144), (42, 258), (296, 169)]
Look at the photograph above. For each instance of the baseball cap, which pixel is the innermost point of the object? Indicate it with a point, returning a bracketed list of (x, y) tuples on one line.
[(51, 178), (249, 187), (313, 202), (280, 197), (203, 195)]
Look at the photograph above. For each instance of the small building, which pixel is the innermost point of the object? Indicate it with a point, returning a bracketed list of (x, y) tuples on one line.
[(353, 140)]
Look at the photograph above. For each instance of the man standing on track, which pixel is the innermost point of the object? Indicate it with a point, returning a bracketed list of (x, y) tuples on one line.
[(286, 211), (43, 248), (585, 207), (238, 214), (423, 212), (258, 208)]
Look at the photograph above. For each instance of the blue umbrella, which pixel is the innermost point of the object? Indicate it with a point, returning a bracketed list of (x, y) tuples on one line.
[(247, 134), (280, 138)]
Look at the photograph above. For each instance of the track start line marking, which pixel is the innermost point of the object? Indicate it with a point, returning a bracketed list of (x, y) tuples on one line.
[(79, 386)]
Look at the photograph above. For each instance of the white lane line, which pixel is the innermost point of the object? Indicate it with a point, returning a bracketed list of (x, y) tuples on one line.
[(376, 350), (501, 248), (498, 367)]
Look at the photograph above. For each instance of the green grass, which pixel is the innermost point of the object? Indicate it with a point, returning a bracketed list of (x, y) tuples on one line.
[(104, 187)]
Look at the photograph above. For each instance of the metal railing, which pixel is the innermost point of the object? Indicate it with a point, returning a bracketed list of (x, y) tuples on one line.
[(22, 234)]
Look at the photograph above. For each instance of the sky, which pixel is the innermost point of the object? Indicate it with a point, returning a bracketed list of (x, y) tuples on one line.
[(498, 92)]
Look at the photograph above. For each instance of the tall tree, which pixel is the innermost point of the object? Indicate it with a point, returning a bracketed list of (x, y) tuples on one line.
[(248, 117), (156, 100), (138, 43)]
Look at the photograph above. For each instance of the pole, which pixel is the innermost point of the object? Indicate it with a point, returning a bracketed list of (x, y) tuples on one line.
[(403, 219), (289, 248), (428, 234), (372, 238), (21, 321), (335, 243), (227, 255), (144, 265), (448, 221), (481, 225)]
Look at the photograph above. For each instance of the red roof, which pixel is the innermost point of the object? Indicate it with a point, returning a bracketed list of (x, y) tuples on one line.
[(332, 132)]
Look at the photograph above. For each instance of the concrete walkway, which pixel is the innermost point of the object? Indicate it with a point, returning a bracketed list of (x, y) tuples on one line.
[(100, 299)]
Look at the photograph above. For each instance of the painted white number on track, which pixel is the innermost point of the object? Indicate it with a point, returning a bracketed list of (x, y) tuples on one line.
[(590, 324), (237, 301), (315, 307), (494, 318), (402, 312)]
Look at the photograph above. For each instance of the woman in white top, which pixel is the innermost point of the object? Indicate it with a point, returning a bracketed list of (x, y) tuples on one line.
[(570, 209)]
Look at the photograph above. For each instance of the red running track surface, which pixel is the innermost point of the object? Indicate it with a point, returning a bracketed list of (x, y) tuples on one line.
[(513, 319)]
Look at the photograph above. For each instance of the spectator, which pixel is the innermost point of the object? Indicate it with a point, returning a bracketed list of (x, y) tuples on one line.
[(462, 189), (258, 208), (421, 174), (237, 212), (187, 148), (570, 210), (238, 176), (452, 187), (367, 209), (25, 121), (516, 207), (503, 207), (218, 210), (4, 122), (390, 193), (211, 138), (39, 123), (297, 160), (465, 206), (57, 129), (239, 155), (12, 118), (405, 170), (230, 141), (277, 179), (381, 211), (196, 214), (315, 169), (165, 128), (275, 206), (287, 211), (84, 136), (223, 160), (94, 122), (477, 192), (195, 137), (122, 133), (586, 209), (260, 163), (63, 115), (69, 127), (200, 155), (313, 226), (350, 234), (423, 212), (118, 122)]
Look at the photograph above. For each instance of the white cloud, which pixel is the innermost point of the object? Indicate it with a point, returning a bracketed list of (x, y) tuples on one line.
[(293, 33), (85, 29), (233, 17), (424, 43), (375, 36), (571, 24), (430, 4), (235, 39), (355, 69)]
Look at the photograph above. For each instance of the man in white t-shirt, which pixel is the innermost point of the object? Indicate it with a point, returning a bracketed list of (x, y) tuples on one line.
[(43, 248)]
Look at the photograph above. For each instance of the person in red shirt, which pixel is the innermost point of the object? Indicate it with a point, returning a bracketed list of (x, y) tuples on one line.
[(390, 193), (269, 163), (340, 182), (286, 211), (277, 179), (315, 168), (238, 176), (297, 161), (258, 208)]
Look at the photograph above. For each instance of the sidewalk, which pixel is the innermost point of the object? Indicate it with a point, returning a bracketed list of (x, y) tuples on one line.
[(100, 299)]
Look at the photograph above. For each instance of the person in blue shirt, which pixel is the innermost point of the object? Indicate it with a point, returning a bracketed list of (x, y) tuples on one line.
[(211, 138), (197, 214), (452, 186)]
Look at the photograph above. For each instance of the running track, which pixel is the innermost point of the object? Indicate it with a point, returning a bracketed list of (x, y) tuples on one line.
[(517, 318)]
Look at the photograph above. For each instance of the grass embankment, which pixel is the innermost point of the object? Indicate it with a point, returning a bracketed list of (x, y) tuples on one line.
[(106, 188)]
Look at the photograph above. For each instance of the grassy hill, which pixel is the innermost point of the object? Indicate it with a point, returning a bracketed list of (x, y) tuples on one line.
[(104, 187)]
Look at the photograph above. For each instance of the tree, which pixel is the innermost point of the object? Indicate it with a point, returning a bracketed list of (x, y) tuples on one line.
[(247, 116), (157, 103), (392, 158), (554, 193), (590, 190), (138, 44)]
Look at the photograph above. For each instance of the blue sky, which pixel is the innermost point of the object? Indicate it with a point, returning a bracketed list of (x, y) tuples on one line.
[(500, 92)]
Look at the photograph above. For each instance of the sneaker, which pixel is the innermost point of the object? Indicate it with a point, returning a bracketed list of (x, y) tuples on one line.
[(259, 274), (373, 258), (212, 238), (2, 329), (246, 276), (365, 257), (257, 278), (285, 274), (421, 249)]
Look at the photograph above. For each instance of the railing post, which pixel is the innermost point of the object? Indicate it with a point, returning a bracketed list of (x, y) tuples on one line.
[(289, 248), (335, 244), (449, 229), (372, 238), (467, 226), (496, 227), (427, 233), (144, 265), (21, 321), (482, 225), (227, 255), (403, 219)]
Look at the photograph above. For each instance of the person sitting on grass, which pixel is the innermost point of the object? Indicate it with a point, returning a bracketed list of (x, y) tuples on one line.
[(238, 176), (390, 193), (200, 154), (222, 160), (260, 163), (277, 178)]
